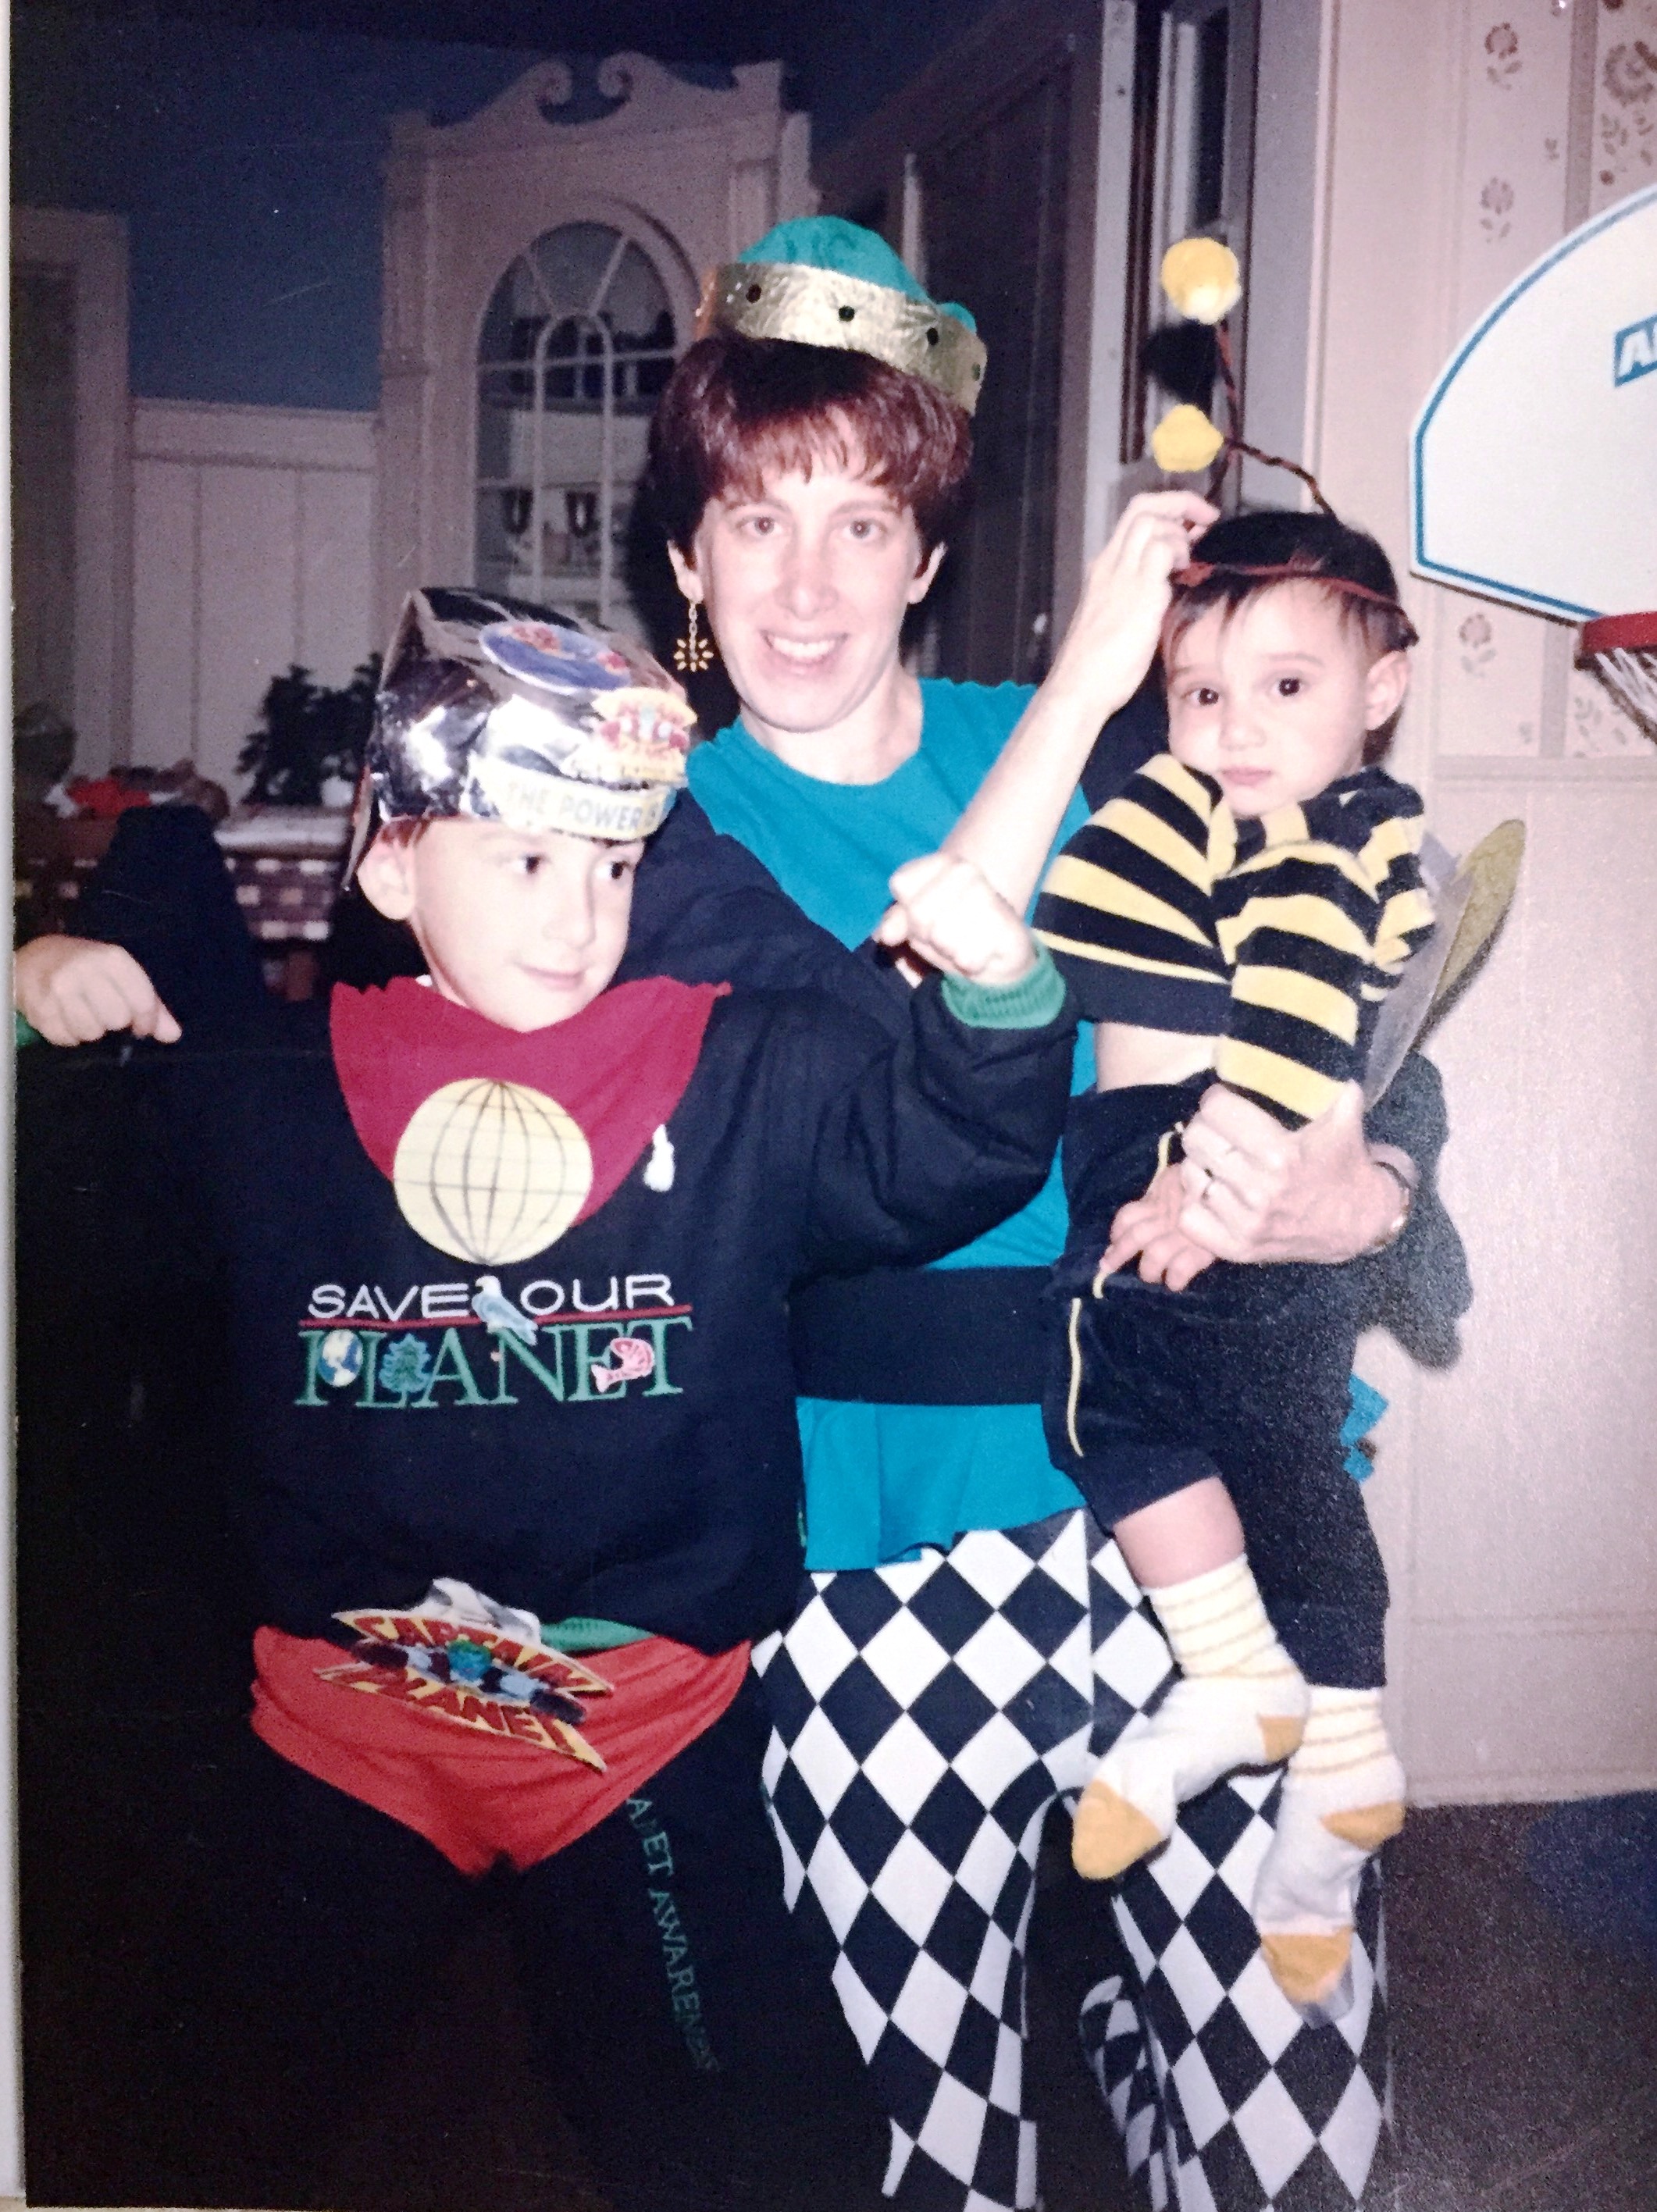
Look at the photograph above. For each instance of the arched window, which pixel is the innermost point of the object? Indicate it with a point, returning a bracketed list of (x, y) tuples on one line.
[(577, 342)]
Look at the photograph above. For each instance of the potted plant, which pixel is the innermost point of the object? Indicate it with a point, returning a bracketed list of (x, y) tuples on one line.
[(308, 749)]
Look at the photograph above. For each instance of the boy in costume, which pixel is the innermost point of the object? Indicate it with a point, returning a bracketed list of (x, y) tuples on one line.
[(507, 1255), (1239, 911)]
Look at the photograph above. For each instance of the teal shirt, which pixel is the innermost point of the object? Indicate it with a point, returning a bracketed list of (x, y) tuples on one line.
[(881, 1480)]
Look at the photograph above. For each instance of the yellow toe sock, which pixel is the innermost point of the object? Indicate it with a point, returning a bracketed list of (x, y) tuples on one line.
[(1240, 1702), (1343, 1797)]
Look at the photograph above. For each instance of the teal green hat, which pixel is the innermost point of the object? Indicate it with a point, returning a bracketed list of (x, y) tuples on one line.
[(823, 281)]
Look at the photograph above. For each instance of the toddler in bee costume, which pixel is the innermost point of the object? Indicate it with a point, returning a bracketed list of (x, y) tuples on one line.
[(507, 1252), (1240, 911)]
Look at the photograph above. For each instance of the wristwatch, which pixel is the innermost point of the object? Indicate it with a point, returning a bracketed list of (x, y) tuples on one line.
[(1400, 1221)]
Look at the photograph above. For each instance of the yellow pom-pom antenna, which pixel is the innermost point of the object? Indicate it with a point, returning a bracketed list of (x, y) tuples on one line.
[(1202, 279), (1186, 441)]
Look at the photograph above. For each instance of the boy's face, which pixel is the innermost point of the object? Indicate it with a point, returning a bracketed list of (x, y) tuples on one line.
[(1276, 703), (526, 927)]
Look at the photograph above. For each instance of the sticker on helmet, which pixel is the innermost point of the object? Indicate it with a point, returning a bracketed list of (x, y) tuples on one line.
[(557, 658)]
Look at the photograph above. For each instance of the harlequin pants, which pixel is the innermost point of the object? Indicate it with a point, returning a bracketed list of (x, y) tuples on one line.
[(926, 1716)]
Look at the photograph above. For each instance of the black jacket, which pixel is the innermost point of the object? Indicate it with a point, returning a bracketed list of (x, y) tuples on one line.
[(386, 1435)]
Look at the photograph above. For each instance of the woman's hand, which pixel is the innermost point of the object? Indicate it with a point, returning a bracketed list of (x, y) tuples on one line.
[(73, 990), (944, 911), (1113, 635), (1259, 1192), (1150, 1226)]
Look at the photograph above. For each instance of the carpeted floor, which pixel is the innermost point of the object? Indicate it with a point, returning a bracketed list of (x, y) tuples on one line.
[(1525, 2057)]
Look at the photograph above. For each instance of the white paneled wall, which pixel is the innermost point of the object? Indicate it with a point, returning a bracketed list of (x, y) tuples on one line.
[(1516, 1494), (253, 545), (1534, 1670)]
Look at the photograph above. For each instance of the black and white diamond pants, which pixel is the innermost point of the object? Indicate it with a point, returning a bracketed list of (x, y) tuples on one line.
[(927, 1715)]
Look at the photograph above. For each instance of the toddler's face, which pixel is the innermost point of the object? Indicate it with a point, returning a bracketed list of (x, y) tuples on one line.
[(524, 927), (1276, 703)]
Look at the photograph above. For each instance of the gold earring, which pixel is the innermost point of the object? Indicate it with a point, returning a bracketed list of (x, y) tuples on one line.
[(693, 654)]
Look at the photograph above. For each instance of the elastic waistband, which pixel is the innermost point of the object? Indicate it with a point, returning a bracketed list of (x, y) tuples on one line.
[(922, 1336)]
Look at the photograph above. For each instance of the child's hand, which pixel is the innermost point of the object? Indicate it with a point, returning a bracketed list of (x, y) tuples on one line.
[(1114, 633), (1150, 1225), (945, 911), (73, 989)]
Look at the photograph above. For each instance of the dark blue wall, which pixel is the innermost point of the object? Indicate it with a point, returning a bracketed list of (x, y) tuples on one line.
[(247, 166), (850, 55)]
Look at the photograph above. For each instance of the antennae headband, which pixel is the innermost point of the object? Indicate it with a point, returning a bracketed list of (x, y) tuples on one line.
[(1289, 572)]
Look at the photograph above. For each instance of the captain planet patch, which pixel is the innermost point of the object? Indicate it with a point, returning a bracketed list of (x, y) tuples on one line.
[(475, 1676)]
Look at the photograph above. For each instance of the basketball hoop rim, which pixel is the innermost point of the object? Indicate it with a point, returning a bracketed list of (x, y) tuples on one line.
[(1620, 634)]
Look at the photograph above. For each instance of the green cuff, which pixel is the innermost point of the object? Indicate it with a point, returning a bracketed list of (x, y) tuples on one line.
[(23, 1029), (1030, 1004), (580, 1632)]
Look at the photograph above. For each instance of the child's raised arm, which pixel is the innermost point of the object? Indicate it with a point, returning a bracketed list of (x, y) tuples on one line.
[(74, 990)]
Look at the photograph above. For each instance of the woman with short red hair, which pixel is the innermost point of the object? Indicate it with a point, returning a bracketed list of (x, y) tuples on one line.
[(968, 1634)]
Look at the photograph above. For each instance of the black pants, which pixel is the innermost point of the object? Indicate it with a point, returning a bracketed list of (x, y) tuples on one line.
[(699, 2053), (1244, 1375)]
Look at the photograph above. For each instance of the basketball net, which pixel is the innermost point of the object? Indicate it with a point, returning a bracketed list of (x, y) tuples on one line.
[(1622, 651)]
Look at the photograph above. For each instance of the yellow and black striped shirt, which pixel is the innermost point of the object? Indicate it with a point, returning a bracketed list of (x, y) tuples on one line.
[(1278, 937)]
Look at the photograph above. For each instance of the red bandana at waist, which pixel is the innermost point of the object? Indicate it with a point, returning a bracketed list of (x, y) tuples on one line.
[(617, 1069), (480, 1797)]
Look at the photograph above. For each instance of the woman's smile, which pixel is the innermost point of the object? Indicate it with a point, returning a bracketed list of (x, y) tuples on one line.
[(803, 652)]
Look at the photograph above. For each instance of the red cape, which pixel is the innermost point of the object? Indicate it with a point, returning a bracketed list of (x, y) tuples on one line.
[(619, 1068)]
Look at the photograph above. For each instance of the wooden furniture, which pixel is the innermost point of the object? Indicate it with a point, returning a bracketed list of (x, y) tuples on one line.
[(284, 861)]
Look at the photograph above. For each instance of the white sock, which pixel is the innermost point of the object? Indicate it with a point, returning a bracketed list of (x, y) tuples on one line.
[(1343, 1797), (1241, 1703)]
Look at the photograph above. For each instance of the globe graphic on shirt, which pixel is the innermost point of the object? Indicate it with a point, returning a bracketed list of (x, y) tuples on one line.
[(491, 1172), (340, 1358)]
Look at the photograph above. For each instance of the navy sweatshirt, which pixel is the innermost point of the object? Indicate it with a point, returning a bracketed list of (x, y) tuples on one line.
[(388, 1436)]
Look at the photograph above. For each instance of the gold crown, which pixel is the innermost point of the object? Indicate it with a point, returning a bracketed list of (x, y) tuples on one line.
[(820, 307)]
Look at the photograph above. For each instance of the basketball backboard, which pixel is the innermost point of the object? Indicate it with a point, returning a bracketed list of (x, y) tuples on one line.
[(1533, 464)]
